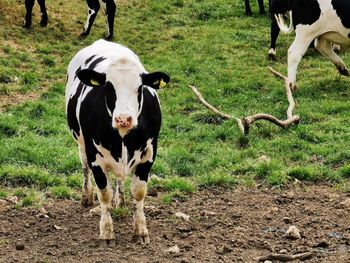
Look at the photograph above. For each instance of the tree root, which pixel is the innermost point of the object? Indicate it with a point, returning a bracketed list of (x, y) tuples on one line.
[(245, 123), (284, 257)]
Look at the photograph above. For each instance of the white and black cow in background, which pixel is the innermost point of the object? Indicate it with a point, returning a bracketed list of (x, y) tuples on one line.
[(93, 8), (326, 21), (248, 10), (29, 9), (114, 115)]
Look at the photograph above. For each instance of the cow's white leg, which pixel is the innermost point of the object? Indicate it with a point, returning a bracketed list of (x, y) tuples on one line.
[(326, 48), (138, 191), (87, 195), (295, 52), (119, 200), (105, 196)]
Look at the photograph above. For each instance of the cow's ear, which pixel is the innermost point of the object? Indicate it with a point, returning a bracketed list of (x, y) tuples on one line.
[(155, 80), (91, 77)]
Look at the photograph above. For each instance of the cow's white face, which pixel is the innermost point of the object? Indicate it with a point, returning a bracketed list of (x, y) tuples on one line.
[(123, 84)]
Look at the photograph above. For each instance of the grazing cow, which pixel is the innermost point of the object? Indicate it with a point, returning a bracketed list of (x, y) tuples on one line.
[(114, 115), (29, 8), (248, 11), (93, 8), (326, 21)]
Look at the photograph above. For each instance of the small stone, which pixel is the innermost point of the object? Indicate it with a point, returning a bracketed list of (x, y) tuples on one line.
[(267, 261), (19, 246), (287, 220), (346, 203), (293, 232), (183, 216), (207, 213), (264, 158), (283, 251), (173, 250)]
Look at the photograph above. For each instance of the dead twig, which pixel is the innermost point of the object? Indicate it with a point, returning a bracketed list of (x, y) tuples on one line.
[(245, 123), (284, 257)]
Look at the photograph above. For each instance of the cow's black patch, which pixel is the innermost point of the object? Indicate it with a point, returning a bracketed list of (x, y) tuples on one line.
[(100, 177), (96, 62), (71, 116), (342, 7), (305, 12), (89, 59)]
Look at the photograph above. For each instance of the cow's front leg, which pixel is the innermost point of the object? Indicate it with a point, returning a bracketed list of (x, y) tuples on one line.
[(295, 52), (326, 48), (275, 30), (44, 17), (138, 191), (105, 195), (248, 10), (261, 7), (29, 9)]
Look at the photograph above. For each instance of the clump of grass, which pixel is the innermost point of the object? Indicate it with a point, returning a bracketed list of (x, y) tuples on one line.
[(3, 194), (175, 183), (306, 173), (120, 212), (345, 171), (61, 191), (221, 179)]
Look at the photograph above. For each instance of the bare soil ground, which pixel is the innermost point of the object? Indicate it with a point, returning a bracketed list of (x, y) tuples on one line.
[(226, 225)]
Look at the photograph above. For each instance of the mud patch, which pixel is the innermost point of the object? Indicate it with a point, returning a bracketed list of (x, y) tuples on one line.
[(224, 226)]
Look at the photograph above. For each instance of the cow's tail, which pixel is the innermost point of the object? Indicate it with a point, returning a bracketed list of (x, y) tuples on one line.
[(282, 25)]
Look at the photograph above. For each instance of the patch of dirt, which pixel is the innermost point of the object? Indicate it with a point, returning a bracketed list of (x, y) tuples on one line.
[(224, 226), (7, 100)]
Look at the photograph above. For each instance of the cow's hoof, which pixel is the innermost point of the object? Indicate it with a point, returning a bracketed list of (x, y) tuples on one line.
[(344, 71), (272, 57), (26, 25), (44, 20), (83, 35), (106, 243), (142, 239), (109, 38), (87, 202)]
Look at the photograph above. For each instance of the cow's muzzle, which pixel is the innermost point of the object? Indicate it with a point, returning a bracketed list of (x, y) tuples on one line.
[(123, 121)]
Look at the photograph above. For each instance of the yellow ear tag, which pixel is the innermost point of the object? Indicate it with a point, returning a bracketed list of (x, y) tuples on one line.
[(162, 84), (94, 82)]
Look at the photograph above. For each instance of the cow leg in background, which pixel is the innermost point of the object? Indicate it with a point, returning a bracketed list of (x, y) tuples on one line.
[(110, 8), (275, 30), (261, 7), (87, 198), (248, 11), (326, 48), (29, 9), (105, 195), (139, 191), (44, 17), (295, 52), (93, 8)]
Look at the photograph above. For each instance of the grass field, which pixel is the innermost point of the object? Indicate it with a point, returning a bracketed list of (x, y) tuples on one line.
[(209, 44)]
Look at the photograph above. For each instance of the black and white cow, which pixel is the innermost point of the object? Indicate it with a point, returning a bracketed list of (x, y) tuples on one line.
[(93, 8), (248, 10), (114, 115), (29, 9), (326, 21)]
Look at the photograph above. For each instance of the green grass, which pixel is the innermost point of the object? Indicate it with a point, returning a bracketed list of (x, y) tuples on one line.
[(209, 44)]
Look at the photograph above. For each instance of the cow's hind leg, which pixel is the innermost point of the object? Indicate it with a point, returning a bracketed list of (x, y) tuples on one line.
[(29, 9), (93, 8), (326, 48), (275, 30), (248, 10), (138, 191), (44, 17), (261, 7), (87, 195), (119, 199), (295, 52), (105, 196), (110, 8)]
